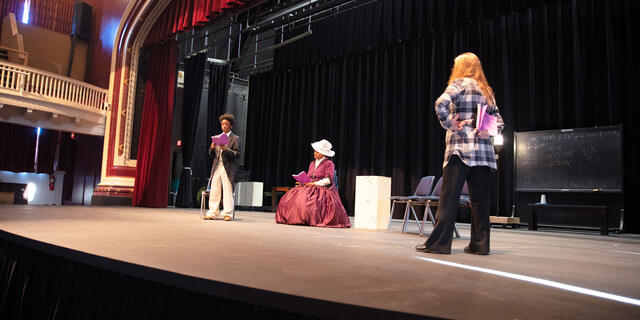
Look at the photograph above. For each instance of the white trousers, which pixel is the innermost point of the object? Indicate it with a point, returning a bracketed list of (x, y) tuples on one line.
[(219, 181)]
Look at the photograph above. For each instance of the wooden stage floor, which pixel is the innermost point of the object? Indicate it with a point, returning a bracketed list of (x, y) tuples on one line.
[(372, 269)]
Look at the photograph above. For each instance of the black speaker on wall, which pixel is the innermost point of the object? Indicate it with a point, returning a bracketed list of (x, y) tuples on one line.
[(81, 20)]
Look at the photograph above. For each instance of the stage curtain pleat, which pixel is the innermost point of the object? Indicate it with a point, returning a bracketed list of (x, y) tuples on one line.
[(17, 147), (67, 152), (194, 68), (182, 15), (47, 145), (52, 15), (154, 149), (217, 95), (367, 81), (217, 99), (199, 12)]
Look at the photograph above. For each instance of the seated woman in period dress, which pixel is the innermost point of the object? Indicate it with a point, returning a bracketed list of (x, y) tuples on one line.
[(315, 203)]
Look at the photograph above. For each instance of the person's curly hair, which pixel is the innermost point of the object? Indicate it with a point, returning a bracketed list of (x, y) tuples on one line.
[(229, 117)]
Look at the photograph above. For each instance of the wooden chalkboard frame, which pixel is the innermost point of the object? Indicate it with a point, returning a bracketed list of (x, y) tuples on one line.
[(569, 190)]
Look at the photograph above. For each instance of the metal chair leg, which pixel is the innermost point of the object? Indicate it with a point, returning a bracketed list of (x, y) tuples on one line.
[(233, 213), (203, 203), (406, 216), (427, 211), (393, 206), (415, 216), (433, 220), (455, 229)]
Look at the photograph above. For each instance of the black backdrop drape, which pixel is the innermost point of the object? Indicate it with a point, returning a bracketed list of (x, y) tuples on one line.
[(367, 81), (194, 68), (365, 104), (217, 99), (47, 145), (17, 147)]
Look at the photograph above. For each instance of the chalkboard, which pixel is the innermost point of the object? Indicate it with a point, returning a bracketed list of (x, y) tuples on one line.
[(574, 160)]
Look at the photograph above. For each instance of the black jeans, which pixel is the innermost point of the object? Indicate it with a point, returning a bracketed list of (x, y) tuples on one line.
[(453, 177)]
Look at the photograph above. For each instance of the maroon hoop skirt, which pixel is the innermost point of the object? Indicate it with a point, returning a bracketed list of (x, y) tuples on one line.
[(314, 206)]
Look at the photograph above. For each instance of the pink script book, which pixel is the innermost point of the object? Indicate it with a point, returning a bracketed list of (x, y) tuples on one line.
[(301, 177), (220, 140), (485, 121)]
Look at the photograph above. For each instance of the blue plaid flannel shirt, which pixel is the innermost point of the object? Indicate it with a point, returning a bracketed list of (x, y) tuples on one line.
[(462, 97)]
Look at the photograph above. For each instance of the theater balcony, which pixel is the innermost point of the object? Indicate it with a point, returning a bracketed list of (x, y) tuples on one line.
[(37, 98), (42, 75)]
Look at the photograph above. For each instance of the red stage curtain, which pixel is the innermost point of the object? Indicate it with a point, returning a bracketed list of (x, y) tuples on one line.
[(182, 15), (18, 147), (200, 12), (15, 6), (154, 150), (54, 15)]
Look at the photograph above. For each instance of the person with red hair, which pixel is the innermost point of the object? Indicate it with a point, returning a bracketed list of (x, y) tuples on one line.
[(469, 156)]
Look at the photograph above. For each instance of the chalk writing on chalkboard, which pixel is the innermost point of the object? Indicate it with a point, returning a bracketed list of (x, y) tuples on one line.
[(583, 159)]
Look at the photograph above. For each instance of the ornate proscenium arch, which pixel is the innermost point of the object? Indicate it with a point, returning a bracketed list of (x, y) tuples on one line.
[(118, 172)]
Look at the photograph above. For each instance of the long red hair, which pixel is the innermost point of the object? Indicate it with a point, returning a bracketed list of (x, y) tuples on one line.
[(467, 65)]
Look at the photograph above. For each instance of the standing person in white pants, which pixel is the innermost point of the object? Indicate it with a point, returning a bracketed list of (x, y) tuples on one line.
[(223, 171)]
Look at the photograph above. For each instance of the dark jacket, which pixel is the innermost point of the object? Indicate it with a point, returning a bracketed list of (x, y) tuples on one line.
[(229, 156)]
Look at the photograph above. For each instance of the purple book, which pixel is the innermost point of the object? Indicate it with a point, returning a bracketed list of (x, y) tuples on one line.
[(301, 177), (220, 140), (485, 121)]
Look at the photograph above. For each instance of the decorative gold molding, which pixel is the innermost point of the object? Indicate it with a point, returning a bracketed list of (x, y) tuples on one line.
[(131, 79), (135, 23)]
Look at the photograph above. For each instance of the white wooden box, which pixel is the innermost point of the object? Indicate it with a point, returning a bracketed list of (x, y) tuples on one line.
[(372, 202), (248, 194)]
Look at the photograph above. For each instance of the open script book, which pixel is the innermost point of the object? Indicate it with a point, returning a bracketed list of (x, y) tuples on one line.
[(485, 121), (301, 177), (220, 140)]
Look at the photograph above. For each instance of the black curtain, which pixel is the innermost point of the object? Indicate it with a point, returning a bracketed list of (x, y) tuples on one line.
[(67, 151), (17, 147), (194, 68), (47, 145), (67, 163), (217, 99), (367, 24), (370, 106), (552, 64)]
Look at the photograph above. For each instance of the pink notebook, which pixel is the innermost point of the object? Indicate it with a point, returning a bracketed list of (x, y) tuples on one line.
[(220, 140), (301, 177), (485, 121)]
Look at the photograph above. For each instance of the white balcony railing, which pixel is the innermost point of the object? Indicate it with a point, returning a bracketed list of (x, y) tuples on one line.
[(32, 83)]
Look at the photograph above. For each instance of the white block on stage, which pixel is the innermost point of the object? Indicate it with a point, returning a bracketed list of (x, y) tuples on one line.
[(248, 194), (372, 202)]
